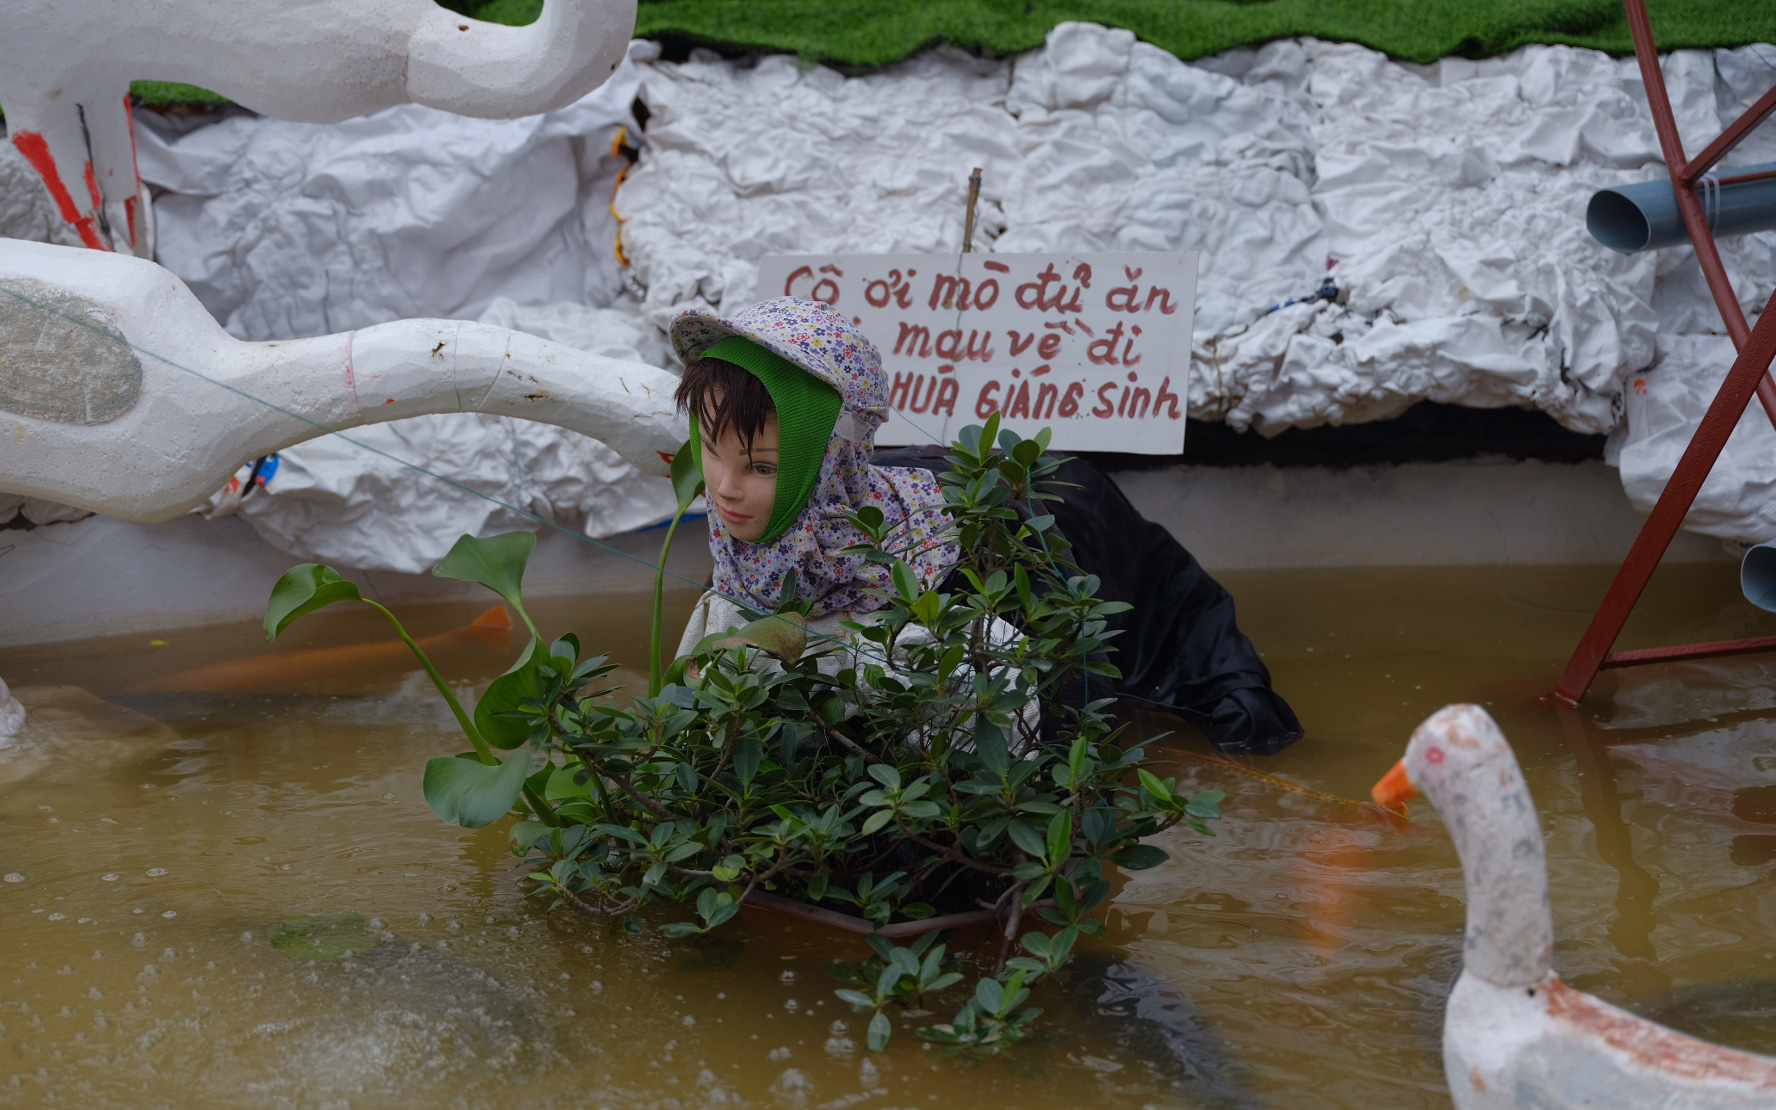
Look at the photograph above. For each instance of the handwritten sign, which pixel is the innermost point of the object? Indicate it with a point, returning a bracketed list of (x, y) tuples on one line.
[(1095, 346)]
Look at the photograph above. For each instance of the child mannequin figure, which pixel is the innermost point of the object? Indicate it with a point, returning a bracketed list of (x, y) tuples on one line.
[(785, 399)]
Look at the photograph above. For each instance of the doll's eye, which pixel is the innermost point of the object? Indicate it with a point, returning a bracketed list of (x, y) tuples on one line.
[(766, 469)]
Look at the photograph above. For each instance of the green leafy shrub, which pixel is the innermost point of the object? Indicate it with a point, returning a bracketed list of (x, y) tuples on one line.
[(900, 776)]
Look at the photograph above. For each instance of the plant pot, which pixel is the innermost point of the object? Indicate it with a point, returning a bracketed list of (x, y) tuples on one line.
[(971, 928)]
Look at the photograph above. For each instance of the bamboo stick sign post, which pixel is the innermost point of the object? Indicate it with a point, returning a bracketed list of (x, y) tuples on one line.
[(1095, 346)]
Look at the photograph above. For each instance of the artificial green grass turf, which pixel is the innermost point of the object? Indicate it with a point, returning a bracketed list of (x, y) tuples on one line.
[(172, 92), (867, 33), (877, 32)]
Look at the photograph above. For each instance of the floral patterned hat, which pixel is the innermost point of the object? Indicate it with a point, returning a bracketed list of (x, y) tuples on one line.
[(808, 333)]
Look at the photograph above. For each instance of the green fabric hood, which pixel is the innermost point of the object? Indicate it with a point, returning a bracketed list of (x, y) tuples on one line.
[(807, 412)]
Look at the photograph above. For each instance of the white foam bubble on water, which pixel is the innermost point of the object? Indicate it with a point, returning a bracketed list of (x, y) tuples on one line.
[(840, 1048)]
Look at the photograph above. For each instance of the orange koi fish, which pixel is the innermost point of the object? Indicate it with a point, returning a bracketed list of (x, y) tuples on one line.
[(279, 672)]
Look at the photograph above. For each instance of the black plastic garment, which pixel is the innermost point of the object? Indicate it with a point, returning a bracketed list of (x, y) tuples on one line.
[(1180, 649)]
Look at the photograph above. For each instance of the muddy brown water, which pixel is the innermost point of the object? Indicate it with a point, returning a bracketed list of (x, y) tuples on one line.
[(1299, 958)]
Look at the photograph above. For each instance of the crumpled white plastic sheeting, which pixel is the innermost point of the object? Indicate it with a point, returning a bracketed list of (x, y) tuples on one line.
[(740, 162), (286, 230), (333, 500), (1666, 403), (1665, 406), (36, 510), (1454, 201), (1446, 203), (26, 212)]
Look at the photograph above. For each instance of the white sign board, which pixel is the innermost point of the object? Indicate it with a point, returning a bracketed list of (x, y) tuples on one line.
[(1095, 346)]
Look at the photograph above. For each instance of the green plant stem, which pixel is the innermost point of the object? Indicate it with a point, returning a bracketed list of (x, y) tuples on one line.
[(528, 623), (544, 811), (482, 750), (657, 669)]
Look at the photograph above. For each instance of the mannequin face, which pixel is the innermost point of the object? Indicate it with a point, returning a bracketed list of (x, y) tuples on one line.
[(741, 483)]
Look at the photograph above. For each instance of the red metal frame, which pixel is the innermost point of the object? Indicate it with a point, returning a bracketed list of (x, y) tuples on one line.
[(1749, 376)]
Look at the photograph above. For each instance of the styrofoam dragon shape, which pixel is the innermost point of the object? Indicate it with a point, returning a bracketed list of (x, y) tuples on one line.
[(66, 65), (120, 394)]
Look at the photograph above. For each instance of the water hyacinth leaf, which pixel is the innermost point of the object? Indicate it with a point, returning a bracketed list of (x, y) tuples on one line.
[(784, 635), (496, 562), (1139, 857), (526, 835), (506, 693), (300, 591), (562, 784), (687, 480), (467, 792), (324, 936)]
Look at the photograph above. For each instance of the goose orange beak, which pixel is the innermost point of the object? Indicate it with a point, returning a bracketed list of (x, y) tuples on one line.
[(1394, 789)]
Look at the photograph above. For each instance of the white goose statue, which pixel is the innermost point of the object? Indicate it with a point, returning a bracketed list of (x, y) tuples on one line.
[(120, 394), (1514, 1036)]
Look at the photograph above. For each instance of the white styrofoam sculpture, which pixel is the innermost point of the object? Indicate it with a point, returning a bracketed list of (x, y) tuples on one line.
[(1515, 1037), (120, 394), (66, 65), (12, 714)]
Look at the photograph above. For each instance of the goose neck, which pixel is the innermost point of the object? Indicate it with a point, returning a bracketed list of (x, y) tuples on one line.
[(1492, 819)]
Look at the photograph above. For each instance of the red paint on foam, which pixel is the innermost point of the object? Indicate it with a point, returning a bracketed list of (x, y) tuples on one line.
[(32, 145), (129, 206), (351, 376), (92, 186)]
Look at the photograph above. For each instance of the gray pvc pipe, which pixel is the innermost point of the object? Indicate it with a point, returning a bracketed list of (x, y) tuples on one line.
[(1644, 216), (1757, 576)]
